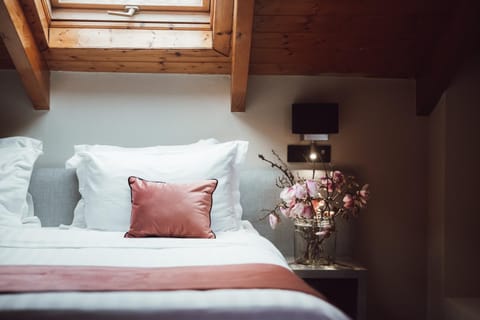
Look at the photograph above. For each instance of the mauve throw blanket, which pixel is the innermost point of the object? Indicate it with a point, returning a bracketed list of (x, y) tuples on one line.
[(19, 279)]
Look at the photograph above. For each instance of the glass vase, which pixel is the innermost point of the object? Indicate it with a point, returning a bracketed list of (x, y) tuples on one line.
[(314, 241)]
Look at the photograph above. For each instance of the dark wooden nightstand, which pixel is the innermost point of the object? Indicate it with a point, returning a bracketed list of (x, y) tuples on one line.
[(344, 284)]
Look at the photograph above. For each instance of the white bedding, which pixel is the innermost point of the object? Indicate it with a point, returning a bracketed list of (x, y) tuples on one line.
[(53, 246)]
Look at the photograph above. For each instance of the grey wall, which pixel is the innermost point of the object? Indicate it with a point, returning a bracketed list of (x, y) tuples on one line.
[(454, 216), (436, 209), (380, 140)]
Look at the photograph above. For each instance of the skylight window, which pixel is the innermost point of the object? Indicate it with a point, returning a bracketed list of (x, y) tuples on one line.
[(140, 24), (168, 5), (189, 13)]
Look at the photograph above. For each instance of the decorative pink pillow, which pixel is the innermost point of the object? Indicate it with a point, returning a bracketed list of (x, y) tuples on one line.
[(171, 210)]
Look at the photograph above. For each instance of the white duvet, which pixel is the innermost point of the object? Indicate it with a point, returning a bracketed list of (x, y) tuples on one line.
[(53, 246)]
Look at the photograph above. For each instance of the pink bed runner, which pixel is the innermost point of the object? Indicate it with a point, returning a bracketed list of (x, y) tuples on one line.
[(17, 279)]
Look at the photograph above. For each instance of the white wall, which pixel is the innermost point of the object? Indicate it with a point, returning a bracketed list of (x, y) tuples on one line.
[(380, 140)]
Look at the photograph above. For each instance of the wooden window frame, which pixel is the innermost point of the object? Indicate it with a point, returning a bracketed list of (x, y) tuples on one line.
[(148, 14), (218, 32), (146, 17), (214, 33), (89, 4)]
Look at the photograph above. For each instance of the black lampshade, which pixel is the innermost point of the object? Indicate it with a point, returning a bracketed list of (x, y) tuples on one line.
[(314, 118)]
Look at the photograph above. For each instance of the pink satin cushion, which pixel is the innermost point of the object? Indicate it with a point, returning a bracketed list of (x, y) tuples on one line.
[(171, 210)]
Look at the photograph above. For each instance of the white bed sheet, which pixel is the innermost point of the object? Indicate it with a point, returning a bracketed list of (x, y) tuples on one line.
[(53, 246)]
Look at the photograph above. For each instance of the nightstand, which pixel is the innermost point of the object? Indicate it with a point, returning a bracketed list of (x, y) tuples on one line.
[(344, 284)]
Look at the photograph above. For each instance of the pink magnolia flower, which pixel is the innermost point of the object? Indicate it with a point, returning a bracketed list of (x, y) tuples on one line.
[(332, 194), (297, 210), (338, 179), (300, 191), (365, 192), (348, 201), (288, 196), (273, 220), (362, 196), (312, 188)]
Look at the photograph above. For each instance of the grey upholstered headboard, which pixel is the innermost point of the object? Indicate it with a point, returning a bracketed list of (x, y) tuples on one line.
[(55, 194)]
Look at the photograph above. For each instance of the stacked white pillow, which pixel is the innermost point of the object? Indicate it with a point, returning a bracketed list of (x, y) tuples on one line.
[(17, 158), (103, 173), (80, 150)]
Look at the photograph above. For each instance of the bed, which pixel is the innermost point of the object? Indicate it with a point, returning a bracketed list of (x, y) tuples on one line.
[(239, 257)]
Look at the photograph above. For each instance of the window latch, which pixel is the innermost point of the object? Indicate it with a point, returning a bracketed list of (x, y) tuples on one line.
[(129, 11)]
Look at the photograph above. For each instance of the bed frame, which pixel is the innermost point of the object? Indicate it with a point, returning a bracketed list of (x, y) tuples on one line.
[(55, 194)]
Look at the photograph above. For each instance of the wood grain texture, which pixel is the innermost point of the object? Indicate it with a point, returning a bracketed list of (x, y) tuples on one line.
[(242, 39), (206, 61), (135, 55), (5, 61), (142, 67), (38, 20), (102, 15), (457, 43), (372, 38), (342, 7), (386, 39), (25, 54), (130, 25), (222, 25), (129, 39)]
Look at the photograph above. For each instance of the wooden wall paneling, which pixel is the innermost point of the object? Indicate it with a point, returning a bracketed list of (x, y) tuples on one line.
[(286, 69), (139, 55), (222, 26), (144, 60), (241, 46), (142, 67), (383, 62), (6, 64), (25, 54), (320, 41), (335, 7), (397, 25), (459, 40), (5, 61)]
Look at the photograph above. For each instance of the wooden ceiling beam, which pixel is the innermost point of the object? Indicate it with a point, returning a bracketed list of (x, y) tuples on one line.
[(454, 47), (39, 19), (222, 26), (241, 46), (23, 50)]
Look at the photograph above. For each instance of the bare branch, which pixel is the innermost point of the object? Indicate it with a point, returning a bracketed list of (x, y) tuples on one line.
[(282, 167)]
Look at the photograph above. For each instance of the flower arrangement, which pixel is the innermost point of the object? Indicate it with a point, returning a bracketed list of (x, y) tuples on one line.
[(314, 204)]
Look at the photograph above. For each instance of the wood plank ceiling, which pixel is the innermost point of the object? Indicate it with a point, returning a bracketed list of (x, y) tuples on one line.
[(373, 38), (5, 60)]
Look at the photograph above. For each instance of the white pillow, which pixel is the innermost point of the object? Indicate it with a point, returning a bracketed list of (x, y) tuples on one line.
[(103, 178), (75, 161), (103, 175), (17, 157)]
